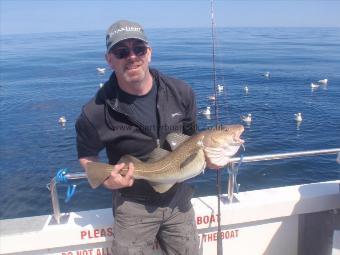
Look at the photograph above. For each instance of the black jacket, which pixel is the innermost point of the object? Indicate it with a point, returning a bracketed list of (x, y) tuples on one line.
[(105, 123)]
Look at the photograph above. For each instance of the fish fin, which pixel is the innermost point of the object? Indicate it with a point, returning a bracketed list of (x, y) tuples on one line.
[(97, 173), (157, 154), (161, 187), (195, 161), (176, 139), (197, 156)]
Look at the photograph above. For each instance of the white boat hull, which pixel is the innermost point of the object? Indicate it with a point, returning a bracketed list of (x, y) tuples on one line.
[(264, 221)]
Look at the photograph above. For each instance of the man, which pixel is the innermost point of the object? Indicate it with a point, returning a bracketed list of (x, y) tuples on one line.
[(132, 114)]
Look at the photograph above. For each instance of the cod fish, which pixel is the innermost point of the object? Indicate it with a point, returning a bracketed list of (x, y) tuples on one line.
[(186, 160)]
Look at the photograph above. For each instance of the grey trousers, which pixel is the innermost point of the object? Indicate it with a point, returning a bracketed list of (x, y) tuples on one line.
[(137, 227)]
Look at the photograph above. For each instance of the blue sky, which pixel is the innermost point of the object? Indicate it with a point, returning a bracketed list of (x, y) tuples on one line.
[(36, 16)]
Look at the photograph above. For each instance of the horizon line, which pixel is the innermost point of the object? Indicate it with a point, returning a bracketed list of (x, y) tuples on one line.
[(156, 28)]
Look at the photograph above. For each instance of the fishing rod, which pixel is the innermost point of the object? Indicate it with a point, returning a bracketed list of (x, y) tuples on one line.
[(218, 174)]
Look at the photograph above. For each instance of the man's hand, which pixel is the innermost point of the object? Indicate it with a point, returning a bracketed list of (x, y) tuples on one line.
[(117, 181)]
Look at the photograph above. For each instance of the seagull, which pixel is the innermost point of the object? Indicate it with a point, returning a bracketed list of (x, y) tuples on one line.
[(266, 74), (298, 117), (246, 89), (207, 111), (247, 118), (324, 81), (212, 98), (314, 85), (101, 70), (101, 85), (62, 120), (219, 87)]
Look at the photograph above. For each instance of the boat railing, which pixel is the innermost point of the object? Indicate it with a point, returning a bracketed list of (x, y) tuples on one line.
[(232, 171)]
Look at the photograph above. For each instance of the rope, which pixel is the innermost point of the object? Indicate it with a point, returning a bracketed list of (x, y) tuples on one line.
[(61, 178)]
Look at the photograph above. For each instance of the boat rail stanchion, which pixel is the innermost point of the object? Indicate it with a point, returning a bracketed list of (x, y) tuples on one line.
[(231, 183), (232, 172), (55, 200)]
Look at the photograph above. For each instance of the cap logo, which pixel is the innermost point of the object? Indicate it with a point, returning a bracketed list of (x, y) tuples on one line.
[(134, 29)]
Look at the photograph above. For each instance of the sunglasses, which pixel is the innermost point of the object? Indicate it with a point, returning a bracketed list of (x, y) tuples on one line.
[(124, 52)]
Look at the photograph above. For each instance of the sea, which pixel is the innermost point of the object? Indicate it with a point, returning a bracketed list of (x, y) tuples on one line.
[(49, 75)]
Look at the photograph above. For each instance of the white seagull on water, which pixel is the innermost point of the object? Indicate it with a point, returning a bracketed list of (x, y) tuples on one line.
[(246, 89), (324, 81), (266, 74), (213, 98), (219, 87), (207, 111), (101, 70), (314, 85), (62, 120), (246, 118), (298, 117)]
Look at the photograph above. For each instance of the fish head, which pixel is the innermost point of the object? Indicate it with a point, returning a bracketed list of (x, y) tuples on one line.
[(221, 143), (223, 135)]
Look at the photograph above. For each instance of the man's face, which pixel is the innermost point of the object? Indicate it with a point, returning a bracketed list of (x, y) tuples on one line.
[(130, 60)]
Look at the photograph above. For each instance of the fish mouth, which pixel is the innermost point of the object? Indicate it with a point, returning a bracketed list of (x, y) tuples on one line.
[(237, 139), (237, 142), (238, 130), (224, 137)]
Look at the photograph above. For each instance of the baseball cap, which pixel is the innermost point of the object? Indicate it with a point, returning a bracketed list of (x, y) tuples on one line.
[(122, 30)]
